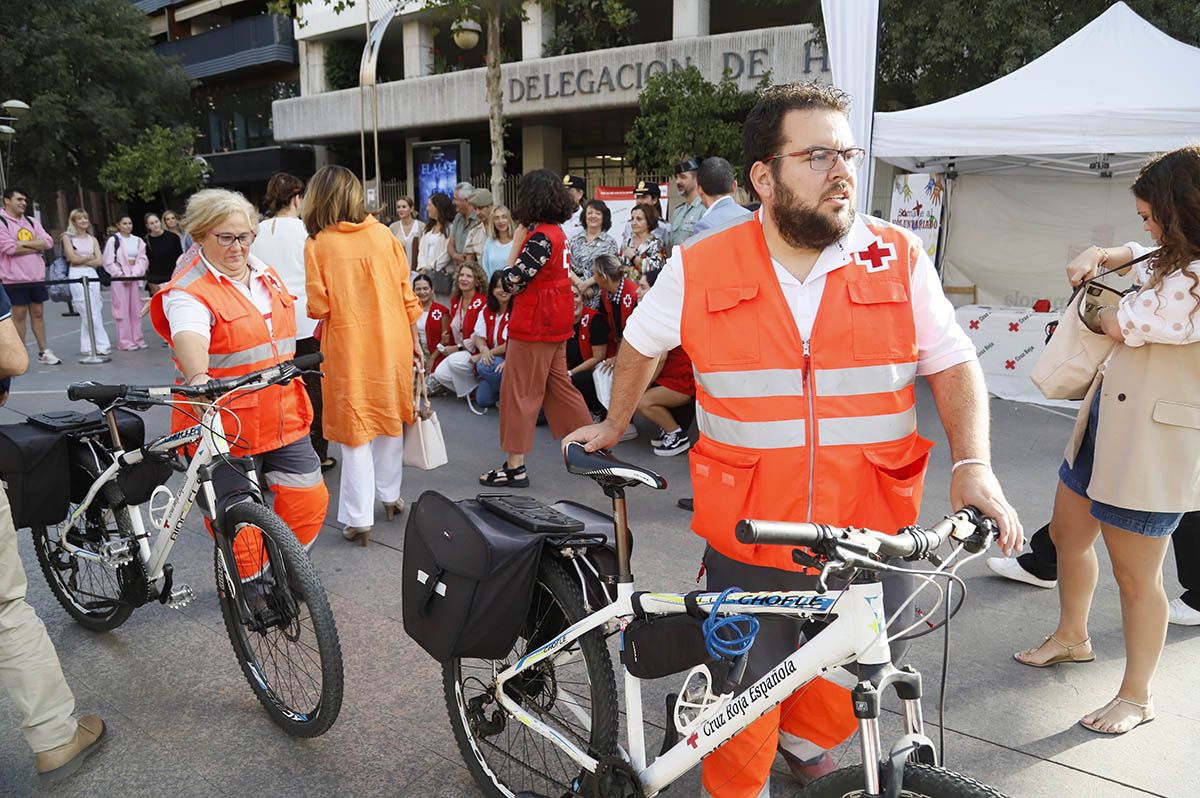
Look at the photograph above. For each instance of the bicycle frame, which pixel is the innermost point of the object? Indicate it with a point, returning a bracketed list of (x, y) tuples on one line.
[(209, 435), (859, 633)]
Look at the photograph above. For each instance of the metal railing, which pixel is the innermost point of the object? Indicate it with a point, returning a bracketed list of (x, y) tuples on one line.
[(247, 42)]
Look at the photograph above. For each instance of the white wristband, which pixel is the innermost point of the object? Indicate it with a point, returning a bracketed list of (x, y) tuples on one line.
[(970, 461)]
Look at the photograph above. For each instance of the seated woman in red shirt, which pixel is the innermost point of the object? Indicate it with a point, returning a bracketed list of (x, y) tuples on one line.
[(673, 386)]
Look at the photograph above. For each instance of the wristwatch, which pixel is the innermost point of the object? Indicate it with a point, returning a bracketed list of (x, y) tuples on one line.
[(441, 348)]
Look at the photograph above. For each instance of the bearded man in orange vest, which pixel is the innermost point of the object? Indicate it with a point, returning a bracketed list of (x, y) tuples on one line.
[(807, 326)]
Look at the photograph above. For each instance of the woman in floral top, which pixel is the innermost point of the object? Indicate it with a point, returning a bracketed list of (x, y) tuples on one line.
[(593, 240), (642, 252)]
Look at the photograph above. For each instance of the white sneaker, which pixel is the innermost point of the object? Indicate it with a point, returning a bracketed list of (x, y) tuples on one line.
[(1180, 613), (1009, 568), (630, 433), (48, 358)]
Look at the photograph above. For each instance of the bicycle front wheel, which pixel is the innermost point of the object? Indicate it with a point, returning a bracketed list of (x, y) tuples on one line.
[(286, 641), (573, 692), (920, 781)]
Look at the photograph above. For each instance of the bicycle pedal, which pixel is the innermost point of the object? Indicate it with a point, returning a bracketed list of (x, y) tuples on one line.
[(181, 597), (116, 552)]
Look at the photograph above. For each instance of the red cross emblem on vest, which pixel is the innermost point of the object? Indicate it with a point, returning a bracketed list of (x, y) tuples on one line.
[(877, 257)]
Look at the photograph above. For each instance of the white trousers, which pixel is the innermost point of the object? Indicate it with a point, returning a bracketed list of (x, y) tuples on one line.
[(457, 373), (371, 472), (85, 344)]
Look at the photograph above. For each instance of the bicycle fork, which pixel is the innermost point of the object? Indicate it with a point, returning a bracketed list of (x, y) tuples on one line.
[(884, 773)]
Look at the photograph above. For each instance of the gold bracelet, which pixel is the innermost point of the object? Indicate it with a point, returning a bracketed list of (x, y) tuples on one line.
[(1103, 257)]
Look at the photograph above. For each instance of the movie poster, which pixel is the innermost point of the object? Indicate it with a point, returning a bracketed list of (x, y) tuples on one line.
[(440, 165)]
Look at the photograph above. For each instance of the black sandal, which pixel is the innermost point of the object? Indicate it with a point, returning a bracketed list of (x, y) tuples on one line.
[(504, 477), (328, 463)]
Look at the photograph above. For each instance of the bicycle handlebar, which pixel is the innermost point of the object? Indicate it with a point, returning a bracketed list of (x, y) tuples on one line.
[(105, 395), (909, 543)]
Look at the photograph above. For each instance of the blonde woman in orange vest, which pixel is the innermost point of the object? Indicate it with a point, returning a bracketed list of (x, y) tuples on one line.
[(806, 326), (225, 314), (358, 286)]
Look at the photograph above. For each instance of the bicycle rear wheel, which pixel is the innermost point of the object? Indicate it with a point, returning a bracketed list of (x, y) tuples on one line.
[(573, 692), (920, 781), (288, 643), (97, 595)]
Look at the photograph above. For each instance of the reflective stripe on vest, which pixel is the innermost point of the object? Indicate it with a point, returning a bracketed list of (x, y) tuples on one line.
[(854, 381), (285, 347), (849, 430)]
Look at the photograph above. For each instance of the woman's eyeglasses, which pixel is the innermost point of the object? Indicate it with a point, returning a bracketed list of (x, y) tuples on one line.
[(227, 239)]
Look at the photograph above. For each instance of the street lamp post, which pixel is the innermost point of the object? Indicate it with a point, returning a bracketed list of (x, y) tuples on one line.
[(13, 109)]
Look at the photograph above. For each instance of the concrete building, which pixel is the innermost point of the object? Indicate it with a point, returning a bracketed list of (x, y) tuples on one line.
[(243, 59), (567, 112)]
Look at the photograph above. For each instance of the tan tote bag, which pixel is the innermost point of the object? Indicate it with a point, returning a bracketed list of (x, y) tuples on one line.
[(424, 446), (1077, 348)]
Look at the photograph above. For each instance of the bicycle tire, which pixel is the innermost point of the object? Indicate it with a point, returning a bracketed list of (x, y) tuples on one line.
[(96, 596), (920, 781), (296, 633), (500, 761)]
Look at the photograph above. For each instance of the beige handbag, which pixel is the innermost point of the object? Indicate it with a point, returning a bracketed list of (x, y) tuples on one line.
[(1078, 347), (424, 446)]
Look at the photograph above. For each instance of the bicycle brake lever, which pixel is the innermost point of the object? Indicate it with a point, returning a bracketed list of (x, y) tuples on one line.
[(830, 567)]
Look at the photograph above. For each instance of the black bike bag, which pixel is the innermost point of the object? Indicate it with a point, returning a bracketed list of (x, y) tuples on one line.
[(34, 466), (467, 578), (655, 646)]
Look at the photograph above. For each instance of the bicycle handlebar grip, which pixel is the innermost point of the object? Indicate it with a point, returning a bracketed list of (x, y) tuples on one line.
[(95, 392), (307, 362), (780, 533)]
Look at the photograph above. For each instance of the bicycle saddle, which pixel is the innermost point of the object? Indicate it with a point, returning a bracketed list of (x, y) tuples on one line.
[(608, 471)]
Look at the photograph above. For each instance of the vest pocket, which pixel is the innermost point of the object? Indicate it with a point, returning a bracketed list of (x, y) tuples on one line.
[(732, 325), (897, 473), (881, 319), (722, 490), (1177, 414)]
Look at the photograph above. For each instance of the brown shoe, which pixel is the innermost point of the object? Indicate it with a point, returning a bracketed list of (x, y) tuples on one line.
[(59, 763)]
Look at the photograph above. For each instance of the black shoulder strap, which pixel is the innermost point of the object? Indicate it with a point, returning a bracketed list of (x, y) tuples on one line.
[(636, 601), (693, 607)]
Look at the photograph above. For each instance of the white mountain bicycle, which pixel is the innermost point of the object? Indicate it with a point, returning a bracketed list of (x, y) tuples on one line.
[(543, 721), (103, 561)]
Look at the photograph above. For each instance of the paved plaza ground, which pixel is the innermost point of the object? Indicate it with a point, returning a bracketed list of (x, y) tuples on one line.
[(184, 723)]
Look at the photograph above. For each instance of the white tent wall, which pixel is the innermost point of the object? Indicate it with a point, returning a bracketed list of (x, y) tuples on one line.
[(1011, 236)]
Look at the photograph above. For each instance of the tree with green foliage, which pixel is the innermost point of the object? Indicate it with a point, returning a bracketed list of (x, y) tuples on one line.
[(583, 25), (493, 14), (930, 50), (92, 81), (681, 114), (158, 164)]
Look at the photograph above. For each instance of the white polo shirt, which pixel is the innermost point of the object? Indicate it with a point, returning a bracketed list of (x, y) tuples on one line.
[(654, 327)]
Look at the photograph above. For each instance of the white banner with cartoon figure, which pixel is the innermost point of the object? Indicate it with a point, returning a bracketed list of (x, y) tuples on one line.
[(917, 205)]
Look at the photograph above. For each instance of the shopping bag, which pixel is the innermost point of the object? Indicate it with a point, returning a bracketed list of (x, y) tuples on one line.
[(1069, 362), (602, 376), (424, 446)]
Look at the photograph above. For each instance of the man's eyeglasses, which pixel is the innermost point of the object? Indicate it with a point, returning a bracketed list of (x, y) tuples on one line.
[(227, 239), (822, 159)]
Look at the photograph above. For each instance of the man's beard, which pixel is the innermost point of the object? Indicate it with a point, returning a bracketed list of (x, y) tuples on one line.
[(806, 227)]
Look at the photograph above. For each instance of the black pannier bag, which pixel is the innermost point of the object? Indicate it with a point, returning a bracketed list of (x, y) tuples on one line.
[(467, 578), (34, 465)]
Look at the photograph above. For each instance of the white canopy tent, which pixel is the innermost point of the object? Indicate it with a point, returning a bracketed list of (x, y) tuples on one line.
[(1044, 156)]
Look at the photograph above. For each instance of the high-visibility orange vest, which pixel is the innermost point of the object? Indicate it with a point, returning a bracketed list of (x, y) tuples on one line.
[(241, 343), (823, 430)]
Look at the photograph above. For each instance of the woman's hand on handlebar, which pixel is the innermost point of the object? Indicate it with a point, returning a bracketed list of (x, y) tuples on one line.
[(977, 486)]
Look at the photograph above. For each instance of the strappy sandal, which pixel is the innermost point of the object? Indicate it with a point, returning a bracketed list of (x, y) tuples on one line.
[(1147, 710), (504, 477), (1068, 656)]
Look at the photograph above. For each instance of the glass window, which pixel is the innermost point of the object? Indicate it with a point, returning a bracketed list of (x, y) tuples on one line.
[(238, 120)]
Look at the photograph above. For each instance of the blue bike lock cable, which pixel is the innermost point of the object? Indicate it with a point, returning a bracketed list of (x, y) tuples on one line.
[(732, 635)]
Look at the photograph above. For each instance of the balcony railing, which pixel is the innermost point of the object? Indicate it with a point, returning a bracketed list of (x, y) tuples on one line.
[(248, 42)]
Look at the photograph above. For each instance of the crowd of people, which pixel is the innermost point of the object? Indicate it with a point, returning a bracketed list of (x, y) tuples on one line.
[(542, 313)]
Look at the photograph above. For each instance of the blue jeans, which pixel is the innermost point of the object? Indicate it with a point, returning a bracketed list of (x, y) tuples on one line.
[(488, 392), (1143, 522)]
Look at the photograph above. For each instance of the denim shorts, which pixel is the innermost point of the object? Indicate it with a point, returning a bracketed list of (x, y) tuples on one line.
[(1142, 522)]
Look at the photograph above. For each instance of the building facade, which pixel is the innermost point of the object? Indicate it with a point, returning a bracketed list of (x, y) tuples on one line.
[(566, 113), (243, 60)]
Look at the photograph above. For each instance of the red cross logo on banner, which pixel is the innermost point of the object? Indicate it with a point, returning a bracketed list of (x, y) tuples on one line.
[(974, 325), (1013, 326), (877, 257), (1010, 364)]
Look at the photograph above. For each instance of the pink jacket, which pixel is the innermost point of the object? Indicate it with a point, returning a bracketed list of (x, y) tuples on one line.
[(21, 268), (117, 262)]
